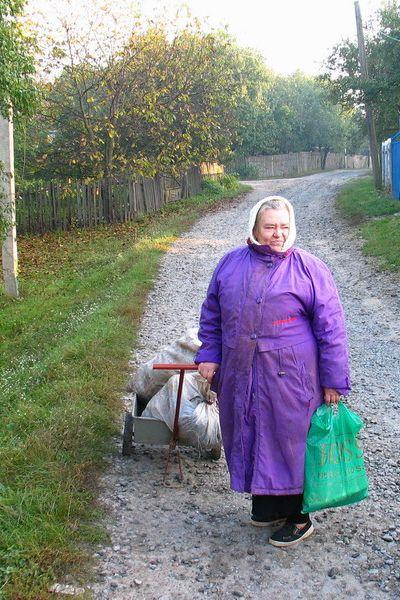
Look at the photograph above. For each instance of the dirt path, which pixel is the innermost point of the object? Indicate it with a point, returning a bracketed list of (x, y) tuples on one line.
[(192, 541)]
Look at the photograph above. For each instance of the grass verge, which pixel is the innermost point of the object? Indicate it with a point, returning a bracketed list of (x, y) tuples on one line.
[(377, 216), (63, 368)]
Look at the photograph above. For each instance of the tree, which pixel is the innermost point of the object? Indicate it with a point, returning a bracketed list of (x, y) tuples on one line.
[(163, 100), (16, 62), (382, 87), (355, 131), (256, 131), (17, 92), (292, 114)]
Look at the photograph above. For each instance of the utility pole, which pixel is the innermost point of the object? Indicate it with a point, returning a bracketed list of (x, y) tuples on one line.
[(376, 168), (7, 207)]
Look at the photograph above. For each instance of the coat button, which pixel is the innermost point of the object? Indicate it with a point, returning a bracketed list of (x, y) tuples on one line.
[(269, 264), (259, 300), (253, 336)]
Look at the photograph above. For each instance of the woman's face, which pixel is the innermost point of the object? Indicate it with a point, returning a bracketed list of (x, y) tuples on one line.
[(272, 228)]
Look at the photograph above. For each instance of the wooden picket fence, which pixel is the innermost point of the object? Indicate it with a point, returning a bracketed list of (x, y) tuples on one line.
[(66, 205), (296, 163)]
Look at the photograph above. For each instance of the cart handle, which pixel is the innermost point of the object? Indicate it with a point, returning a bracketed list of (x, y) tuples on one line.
[(175, 367), (182, 368)]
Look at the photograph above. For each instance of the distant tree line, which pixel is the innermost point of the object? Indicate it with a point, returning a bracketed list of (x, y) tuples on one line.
[(163, 98), (296, 114)]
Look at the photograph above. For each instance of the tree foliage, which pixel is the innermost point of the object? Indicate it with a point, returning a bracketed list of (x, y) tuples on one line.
[(157, 104), (157, 98), (294, 114), (382, 87), (16, 62)]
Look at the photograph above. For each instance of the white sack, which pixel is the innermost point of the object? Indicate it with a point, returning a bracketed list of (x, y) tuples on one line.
[(198, 421), (147, 381)]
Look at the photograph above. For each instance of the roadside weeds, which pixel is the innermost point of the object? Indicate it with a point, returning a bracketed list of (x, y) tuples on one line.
[(378, 218)]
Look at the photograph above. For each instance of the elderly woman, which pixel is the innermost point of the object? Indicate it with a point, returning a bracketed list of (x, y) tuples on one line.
[(274, 347)]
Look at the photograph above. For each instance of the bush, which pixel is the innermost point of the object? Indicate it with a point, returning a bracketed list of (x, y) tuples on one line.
[(211, 185), (223, 183), (229, 182)]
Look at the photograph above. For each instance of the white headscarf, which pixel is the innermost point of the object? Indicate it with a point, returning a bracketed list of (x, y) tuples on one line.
[(292, 225)]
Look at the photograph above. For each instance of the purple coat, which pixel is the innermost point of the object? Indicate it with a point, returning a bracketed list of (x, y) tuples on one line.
[(275, 324)]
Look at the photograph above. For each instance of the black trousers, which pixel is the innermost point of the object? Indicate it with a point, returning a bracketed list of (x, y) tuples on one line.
[(269, 508)]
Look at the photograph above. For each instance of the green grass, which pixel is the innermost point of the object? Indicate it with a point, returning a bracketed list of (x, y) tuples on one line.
[(65, 347), (360, 200), (370, 210), (383, 241)]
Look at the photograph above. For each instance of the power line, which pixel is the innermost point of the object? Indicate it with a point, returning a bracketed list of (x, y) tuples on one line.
[(390, 37)]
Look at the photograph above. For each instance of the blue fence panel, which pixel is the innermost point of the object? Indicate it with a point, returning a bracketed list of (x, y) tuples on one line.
[(395, 148)]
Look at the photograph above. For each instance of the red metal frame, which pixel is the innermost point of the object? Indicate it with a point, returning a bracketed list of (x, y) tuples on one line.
[(173, 445)]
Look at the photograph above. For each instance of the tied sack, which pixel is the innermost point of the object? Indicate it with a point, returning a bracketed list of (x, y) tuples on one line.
[(147, 381), (198, 416), (334, 463)]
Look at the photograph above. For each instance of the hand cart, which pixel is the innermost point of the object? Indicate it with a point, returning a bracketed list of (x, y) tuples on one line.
[(147, 430)]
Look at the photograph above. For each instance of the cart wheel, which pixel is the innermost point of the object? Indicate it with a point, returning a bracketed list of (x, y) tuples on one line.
[(127, 445), (214, 453)]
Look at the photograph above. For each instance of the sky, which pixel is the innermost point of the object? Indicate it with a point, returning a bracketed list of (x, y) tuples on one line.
[(290, 34)]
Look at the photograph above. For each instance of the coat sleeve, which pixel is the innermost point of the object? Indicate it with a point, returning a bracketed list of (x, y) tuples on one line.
[(328, 324), (210, 333)]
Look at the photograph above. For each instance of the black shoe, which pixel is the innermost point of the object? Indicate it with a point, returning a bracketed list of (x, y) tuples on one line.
[(290, 534)]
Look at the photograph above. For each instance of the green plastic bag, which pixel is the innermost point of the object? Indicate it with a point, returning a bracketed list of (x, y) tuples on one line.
[(334, 464)]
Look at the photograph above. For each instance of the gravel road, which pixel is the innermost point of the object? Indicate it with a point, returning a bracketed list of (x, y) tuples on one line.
[(192, 540)]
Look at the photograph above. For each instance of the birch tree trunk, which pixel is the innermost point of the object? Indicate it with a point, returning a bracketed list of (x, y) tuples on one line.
[(7, 207)]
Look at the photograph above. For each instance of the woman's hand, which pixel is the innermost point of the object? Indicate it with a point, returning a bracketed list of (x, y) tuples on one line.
[(207, 370), (331, 396)]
